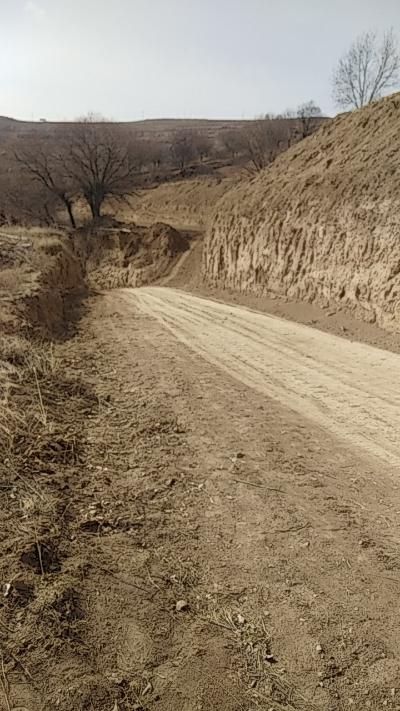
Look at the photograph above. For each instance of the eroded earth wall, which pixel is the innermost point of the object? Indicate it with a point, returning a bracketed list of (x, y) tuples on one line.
[(322, 224)]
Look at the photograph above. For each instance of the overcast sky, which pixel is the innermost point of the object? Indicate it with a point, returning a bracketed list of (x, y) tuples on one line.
[(132, 59)]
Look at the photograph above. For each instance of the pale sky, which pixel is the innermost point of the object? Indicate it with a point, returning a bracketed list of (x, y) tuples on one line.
[(133, 59)]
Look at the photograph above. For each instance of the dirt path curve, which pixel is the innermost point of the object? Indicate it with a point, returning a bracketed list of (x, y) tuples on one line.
[(350, 389)]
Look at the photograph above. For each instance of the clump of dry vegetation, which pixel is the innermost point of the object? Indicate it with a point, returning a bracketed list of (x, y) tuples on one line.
[(39, 443)]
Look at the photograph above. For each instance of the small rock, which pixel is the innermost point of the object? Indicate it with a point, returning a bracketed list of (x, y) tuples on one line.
[(181, 605), (318, 648), (241, 620)]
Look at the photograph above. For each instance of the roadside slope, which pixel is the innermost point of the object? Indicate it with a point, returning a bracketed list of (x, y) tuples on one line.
[(185, 204), (322, 223)]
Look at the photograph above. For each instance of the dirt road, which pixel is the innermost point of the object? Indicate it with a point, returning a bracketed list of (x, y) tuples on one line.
[(281, 537), (350, 389), (222, 550)]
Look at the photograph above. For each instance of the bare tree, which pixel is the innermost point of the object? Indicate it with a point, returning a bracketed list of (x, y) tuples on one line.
[(48, 168), (231, 140), (183, 148), (156, 153), (367, 70), (307, 113), (26, 201), (202, 145), (100, 163), (263, 139)]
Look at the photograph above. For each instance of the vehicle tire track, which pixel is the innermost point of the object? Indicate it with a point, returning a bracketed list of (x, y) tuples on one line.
[(350, 389)]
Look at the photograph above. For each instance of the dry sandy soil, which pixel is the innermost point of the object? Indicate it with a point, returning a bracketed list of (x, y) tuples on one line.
[(224, 545), (199, 504), (278, 535)]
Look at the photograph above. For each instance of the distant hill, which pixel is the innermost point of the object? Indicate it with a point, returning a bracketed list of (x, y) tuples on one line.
[(155, 128)]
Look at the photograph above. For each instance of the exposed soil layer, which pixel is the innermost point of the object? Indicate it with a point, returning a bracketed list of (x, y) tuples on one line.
[(186, 204), (338, 320), (41, 282), (118, 255), (322, 223)]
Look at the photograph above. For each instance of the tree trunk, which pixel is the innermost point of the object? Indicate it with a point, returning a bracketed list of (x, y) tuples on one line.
[(68, 205), (95, 209)]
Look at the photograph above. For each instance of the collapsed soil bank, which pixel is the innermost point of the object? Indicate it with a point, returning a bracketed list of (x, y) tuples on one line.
[(322, 223), (41, 282), (129, 255)]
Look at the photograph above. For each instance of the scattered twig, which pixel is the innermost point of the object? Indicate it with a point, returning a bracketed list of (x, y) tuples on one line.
[(289, 530), (122, 580), (5, 685), (259, 486), (39, 551), (218, 624), (43, 411), (4, 626), (23, 667), (394, 580)]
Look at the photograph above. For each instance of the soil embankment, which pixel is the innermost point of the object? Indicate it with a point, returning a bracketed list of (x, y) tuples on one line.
[(118, 254), (40, 281), (185, 204), (321, 224)]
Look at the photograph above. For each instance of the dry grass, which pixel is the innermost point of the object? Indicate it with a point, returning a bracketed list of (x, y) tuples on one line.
[(22, 231), (13, 280), (37, 444)]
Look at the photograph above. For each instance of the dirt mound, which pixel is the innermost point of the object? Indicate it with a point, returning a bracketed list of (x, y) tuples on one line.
[(186, 204), (132, 256), (322, 223)]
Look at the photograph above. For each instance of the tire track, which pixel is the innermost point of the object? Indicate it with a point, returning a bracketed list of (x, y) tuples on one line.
[(350, 389)]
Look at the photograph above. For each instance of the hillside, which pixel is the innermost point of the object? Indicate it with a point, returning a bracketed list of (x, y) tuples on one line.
[(322, 223), (187, 204)]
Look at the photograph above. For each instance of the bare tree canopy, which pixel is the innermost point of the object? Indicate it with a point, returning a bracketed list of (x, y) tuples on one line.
[(231, 141), (367, 70), (307, 113), (100, 163), (47, 167), (183, 148), (263, 139)]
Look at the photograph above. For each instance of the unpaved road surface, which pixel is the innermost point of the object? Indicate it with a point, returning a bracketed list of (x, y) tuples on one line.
[(281, 537), (350, 389), (277, 535)]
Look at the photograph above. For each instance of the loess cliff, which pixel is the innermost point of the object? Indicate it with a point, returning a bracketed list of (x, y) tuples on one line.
[(322, 224)]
